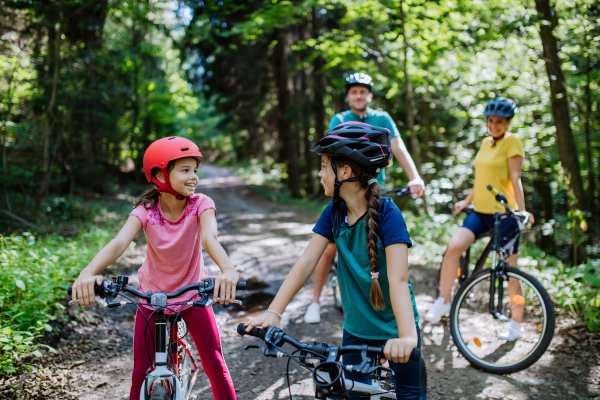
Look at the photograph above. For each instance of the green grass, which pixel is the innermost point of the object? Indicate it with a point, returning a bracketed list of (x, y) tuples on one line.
[(35, 272)]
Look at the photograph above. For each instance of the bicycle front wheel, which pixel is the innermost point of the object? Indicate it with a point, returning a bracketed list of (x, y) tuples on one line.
[(476, 332)]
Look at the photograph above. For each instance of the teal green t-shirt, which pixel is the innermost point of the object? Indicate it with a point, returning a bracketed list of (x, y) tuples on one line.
[(374, 117), (354, 273)]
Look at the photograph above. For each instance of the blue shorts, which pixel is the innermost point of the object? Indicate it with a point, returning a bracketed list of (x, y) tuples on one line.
[(407, 376), (481, 224)]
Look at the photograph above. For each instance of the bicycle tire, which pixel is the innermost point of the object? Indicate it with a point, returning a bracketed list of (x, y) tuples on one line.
[(478, 321), (160, 392), (424, 380), (337, 298)]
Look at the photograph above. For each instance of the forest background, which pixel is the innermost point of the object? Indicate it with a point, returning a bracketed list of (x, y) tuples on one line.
[(87, 85)]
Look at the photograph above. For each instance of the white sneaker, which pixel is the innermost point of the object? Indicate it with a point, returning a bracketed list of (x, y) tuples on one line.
[(438, 310), (513, 332), (313, 314)]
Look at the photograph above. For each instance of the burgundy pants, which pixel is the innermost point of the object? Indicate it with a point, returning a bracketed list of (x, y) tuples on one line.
[(202, 328)]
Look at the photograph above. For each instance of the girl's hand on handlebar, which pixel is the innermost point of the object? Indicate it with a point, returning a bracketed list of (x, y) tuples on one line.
[(225, 283), (83, 289), (459, 206), (416, 186), (398, 350), (264, 321)]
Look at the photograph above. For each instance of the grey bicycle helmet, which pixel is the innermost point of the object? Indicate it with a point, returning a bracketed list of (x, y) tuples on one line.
[(501, 107), (359, 79), (366, 144)]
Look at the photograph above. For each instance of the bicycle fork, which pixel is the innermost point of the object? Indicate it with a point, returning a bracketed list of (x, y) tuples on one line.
[(161, 372), (499, 274)]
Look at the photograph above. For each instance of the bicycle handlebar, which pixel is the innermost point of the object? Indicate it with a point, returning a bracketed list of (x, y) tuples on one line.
[(112, 287), (268, 336), (399, 192)]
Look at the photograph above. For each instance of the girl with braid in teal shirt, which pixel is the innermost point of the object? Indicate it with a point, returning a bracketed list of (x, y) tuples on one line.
[(372, 242)]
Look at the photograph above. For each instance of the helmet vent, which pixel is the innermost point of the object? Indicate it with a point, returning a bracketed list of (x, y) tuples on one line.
[(186, 149)]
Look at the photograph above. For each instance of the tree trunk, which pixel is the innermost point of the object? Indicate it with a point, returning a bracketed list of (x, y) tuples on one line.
[(54, 56), (560, 107), (410, 100), (283, 96), (318, 87), (542, 186), (588, 115)]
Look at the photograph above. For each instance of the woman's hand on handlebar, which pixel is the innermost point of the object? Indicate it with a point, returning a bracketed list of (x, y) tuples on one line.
[(530, 219), (460, 206), (398, 350), (225, 284), (264, 321), (83, 289)]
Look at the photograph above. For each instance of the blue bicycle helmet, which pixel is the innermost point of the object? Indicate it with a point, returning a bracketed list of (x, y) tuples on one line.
[(501, 107)]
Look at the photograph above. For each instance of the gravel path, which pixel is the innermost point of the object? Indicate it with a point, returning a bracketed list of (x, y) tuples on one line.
[(264, 239)]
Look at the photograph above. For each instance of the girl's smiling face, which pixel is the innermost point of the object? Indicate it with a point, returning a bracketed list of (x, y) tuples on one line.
[(327, 176), (183, 176)]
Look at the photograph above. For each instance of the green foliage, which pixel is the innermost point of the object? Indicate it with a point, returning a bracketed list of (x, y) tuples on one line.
[(34, 274), (576, 289)]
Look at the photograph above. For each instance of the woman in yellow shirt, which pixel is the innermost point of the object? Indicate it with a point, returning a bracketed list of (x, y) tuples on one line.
[(499, 163)]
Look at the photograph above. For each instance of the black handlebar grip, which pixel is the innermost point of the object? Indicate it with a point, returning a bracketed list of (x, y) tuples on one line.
[(241, 286), (96, 290), (256, 332), (415, 355)]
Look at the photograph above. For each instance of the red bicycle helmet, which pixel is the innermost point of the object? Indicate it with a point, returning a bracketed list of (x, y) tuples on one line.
[(161, 152)]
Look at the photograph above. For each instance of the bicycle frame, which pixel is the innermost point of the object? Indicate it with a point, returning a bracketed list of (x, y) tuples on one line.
[(374, 389), (166, 367)]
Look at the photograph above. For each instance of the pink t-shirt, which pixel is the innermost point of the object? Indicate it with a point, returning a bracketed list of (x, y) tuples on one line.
[(174, 253)]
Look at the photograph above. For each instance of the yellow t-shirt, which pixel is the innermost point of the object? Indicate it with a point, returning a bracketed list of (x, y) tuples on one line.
[(491, 168)]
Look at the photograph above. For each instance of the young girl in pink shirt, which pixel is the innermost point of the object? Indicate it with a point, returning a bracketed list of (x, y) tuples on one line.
[(177, 224)]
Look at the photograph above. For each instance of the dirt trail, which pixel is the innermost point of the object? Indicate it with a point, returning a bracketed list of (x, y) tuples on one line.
[(264, 239)]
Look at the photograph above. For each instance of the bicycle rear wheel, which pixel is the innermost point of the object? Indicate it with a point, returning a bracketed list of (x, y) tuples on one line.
[(475, 331)]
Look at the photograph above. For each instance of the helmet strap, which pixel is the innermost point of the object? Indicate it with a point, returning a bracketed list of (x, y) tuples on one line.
[(336, 198), (162, 188)]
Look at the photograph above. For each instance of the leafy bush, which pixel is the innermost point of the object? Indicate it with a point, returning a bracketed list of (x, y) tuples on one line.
[(34, 275), (576, 289)]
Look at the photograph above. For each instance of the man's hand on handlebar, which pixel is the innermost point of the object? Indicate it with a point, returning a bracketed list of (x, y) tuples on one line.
[(264, 321), (83, 289), (398, 350), (416, 186), (225, 284)]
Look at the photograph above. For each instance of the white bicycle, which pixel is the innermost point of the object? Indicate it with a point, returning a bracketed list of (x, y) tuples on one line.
[(327, 371), (174, 369)]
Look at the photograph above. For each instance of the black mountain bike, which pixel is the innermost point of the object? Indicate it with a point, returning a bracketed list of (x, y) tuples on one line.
[(332, 279), (327, 371), (487, 301), (174, 369)]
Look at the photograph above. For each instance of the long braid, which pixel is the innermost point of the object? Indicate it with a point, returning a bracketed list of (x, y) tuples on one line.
[(373, 196)]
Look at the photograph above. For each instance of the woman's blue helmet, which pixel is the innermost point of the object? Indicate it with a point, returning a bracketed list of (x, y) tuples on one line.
[(501, 107)]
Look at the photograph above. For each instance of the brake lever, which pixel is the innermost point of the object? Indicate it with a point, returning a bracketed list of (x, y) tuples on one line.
[(98, 300), (210, 302), (104, 304), (267, 351)]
